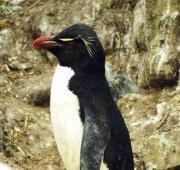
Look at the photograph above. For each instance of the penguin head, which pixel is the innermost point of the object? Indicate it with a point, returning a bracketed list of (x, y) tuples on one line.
[(77, 47)]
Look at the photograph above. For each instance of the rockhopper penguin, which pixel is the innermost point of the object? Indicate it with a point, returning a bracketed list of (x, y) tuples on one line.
[(88, 127)]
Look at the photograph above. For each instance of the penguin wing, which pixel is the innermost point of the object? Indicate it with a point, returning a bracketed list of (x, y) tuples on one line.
[(95, 138)]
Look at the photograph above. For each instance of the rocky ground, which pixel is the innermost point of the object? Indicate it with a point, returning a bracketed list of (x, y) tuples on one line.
[(141, 39)]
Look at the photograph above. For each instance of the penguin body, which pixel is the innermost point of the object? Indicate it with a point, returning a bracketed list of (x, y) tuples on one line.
[(89, 129), (65, 117)]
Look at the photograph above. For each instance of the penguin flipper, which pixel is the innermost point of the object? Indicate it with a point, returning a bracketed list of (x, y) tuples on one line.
[(95, 138)]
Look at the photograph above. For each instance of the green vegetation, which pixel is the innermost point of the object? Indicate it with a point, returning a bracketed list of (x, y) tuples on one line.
[(5, 8), (101, 3)]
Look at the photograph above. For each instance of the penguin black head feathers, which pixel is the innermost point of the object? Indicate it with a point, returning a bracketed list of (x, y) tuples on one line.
[(77, 47)]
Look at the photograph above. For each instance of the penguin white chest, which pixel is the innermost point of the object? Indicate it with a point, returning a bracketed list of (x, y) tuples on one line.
[(65, 117)]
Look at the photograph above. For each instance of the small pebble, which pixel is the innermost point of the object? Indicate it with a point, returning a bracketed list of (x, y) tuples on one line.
[(16, 65)]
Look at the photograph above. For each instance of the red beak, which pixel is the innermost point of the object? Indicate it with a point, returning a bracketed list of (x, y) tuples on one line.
[(46, 42)]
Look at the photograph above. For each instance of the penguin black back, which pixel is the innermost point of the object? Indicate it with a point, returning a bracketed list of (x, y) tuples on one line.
[(95, 97)]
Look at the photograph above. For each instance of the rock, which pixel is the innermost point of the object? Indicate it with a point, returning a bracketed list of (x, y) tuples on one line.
[(40, 97), (4, 56), (140, 47), (3, 80), (32, 143), (153, 127), (35, 56), (46, 23), (3, 24), (16, 65), (178, 86), (2, 120), (160, 110), (119, 84), (16, 8), (51, 58), (5, 40), (162, 147), (37, 90), (17, 2)]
